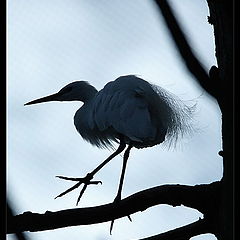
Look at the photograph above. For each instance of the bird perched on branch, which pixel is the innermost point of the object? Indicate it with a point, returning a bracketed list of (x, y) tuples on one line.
[(128, 111)]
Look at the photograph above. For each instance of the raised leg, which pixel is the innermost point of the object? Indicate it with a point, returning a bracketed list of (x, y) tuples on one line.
[(120, 186), (87, 179)]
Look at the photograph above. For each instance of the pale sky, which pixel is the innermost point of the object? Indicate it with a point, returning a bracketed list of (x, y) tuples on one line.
[(52, 43)]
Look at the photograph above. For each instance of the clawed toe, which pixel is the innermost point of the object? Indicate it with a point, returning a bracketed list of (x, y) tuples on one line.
[(68, 190), (86, 181), (112, 222), (129, 217), (116, 201)]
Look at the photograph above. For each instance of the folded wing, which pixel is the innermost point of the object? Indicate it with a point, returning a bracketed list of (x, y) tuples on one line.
[(124, 110)]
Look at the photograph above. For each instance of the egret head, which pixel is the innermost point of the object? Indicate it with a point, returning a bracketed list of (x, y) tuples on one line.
[(75, 91)]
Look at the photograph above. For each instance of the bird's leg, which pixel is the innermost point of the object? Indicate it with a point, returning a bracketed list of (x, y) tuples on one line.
[(120, 186), (87, 179)]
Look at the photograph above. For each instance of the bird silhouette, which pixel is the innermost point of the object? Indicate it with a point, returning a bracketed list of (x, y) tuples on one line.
[(128, 111)]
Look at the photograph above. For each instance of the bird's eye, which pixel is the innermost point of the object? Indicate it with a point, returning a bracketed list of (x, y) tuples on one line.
[(66, 90)]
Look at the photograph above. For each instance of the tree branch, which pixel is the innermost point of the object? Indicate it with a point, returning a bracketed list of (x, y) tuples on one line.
[(202, 197), (190, 60), (18, 235), (221, 17), (184, 233)]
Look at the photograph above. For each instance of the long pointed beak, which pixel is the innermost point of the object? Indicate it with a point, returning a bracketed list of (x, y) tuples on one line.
[(52, 97)]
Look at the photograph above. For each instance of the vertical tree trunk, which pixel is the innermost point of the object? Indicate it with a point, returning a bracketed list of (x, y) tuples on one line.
[(221, 17)]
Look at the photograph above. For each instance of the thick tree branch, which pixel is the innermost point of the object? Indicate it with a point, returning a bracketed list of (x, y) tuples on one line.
[(190, 60), (202, 197), (184, 233), (18, 235), (221, 17)]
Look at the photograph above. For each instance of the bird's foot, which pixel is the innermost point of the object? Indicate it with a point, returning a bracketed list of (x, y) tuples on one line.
[(116, 201), (85, 180)]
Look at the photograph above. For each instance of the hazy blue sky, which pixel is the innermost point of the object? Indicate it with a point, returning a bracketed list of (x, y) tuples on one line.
[(52, 43)]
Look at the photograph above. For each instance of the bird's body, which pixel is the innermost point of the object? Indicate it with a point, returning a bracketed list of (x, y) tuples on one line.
[(127, 106), (129, 111), (130, 107)]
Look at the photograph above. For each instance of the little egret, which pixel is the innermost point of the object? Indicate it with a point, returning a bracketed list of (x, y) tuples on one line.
[(128, 111)]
